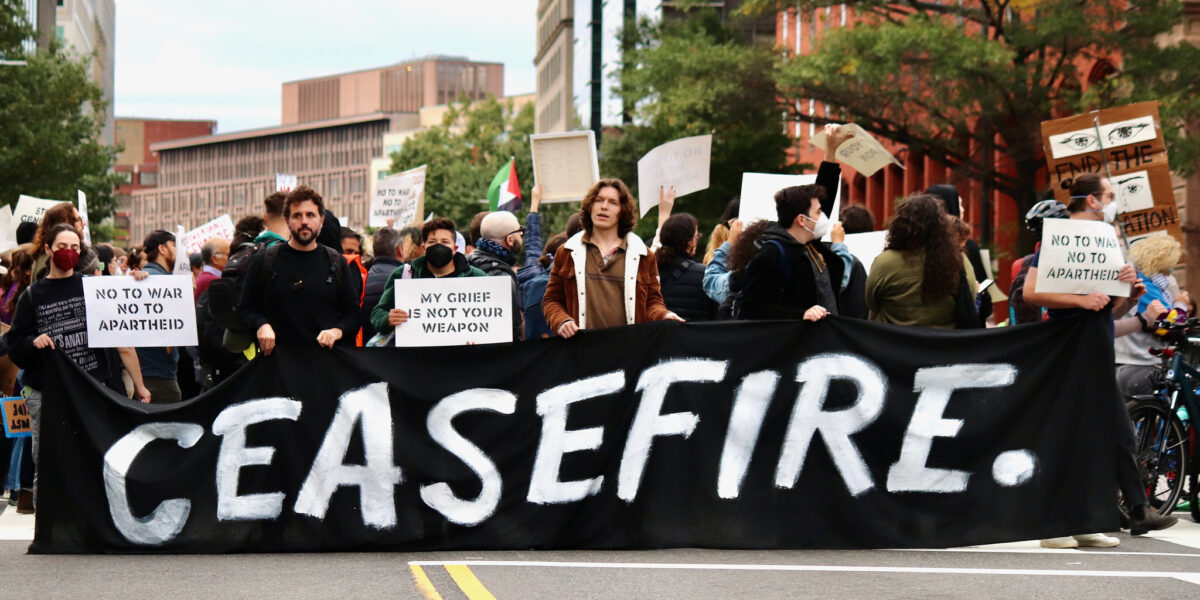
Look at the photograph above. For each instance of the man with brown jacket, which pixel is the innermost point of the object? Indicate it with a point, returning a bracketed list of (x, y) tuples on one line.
[(604, 276)]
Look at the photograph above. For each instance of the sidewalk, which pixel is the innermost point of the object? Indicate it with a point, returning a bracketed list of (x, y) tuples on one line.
[(14, 526)]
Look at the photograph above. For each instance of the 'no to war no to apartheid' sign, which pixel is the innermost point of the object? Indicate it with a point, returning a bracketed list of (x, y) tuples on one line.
[(154, 312)]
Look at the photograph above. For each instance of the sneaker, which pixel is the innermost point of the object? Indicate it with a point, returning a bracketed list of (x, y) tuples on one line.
[(1152, 522), (1096, 540), (12, 497), (1060, 543)]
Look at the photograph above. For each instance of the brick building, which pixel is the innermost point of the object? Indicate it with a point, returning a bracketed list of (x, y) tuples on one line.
[(138, 164)]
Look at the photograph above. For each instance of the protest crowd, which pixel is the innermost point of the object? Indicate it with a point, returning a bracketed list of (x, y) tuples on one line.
[(294, 276)]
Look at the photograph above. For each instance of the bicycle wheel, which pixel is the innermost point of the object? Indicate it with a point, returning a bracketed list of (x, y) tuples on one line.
[(1161, 451)]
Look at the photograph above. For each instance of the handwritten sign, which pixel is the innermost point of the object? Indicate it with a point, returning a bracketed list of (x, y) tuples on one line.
[(866, 246), (87, 230), (758, 195), (30, 209), (564, 164), (1126, 145), (220, 227), (454, 311), (154, 312), (400, 197), (862, 151), (17, 422), (682, 164), (284, 182), (1080, 257)]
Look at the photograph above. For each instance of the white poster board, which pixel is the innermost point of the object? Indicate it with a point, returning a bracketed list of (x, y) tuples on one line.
[(30, 209), (564, 164), (1080, 257), (454, 311), (398, 197), (758, 195), (8, 229), (862, 152), (284, 182), (682, 164), (220, 227), (87, 231), (154, 312), (866, 246)]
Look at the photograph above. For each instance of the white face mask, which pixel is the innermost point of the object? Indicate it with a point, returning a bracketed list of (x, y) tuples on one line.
[(1110, 212), (821, 226)]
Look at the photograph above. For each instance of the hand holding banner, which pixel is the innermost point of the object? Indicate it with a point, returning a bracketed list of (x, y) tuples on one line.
[(862, 151), (1080, 257), (564, 164), (453, 312), (682, 164)]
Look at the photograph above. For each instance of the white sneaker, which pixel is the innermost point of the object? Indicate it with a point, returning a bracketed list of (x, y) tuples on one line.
[(1096, 540), (1060, 542)]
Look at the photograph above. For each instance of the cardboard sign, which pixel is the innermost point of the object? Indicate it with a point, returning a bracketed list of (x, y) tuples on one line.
[(284, 183), (564, 164), (758, 195), (1080, 257), (400, 197), (1126, 145), (862, 151), (682, 164), (220, 227), (154, 312), (17, 422), (30, 209), (866, 246), (87, 230), (454, 311)]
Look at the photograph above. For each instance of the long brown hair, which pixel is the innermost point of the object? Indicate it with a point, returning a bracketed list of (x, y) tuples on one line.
[(921, 225), (628, 216), (63, 212), (21, 271)]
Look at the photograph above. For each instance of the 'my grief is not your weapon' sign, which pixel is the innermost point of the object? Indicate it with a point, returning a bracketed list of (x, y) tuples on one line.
[(453, 312), (1080, 257), (156, 311)]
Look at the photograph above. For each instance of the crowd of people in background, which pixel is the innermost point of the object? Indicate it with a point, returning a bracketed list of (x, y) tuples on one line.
[(296, 276)]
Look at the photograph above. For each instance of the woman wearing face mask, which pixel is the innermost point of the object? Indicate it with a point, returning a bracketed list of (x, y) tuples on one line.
[(914, 281), (680, 277)]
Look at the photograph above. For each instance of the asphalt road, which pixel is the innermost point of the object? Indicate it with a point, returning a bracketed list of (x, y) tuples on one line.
[(1162, 565)]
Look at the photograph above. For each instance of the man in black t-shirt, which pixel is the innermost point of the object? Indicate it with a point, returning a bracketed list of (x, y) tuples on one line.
[(301, 292)]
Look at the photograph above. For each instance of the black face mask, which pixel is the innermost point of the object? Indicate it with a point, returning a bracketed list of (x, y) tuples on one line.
[(439, 255)]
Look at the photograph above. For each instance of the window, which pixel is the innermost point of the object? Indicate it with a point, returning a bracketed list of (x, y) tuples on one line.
[(148, 178), (335, 186), (356, 184), (127, 177)]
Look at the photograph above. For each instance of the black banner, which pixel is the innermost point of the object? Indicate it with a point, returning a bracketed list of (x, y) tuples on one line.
[(842, 434)]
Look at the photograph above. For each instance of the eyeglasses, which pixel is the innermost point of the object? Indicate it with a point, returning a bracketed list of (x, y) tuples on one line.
[(520, 231)]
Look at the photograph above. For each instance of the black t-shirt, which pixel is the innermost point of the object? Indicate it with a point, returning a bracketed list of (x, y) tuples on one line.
[(302, 298), (54, 307)]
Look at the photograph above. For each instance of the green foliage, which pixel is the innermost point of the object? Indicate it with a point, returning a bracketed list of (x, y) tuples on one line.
[(952, 80), (51, 115), (696, 76), (464, 153)]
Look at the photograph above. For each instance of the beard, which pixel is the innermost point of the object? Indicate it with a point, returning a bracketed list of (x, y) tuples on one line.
[(304, 235)]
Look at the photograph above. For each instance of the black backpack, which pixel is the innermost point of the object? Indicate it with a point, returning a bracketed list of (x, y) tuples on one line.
[(225, 291), (731, 308)]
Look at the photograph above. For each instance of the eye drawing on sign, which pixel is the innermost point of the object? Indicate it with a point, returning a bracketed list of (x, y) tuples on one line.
[(1133, 191), (1122, 134), (1079, 141)]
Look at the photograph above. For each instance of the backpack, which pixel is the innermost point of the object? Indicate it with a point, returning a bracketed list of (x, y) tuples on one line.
[(735, 298)]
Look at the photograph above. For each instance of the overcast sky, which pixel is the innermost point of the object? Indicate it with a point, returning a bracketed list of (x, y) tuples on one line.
[(226, 59)]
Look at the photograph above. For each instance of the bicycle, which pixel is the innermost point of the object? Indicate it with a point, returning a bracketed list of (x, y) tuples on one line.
[(1164, 431)]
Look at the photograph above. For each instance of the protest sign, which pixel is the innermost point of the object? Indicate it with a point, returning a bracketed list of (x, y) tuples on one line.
[(454, 311), (758, 195), (284, 182), (17, 422), (154, 312), (87, 233), (866, 246), (30, 209), (564, 164), (862, 151), (8, 229), (1080, 257), (400, 197), (842, 433), (682, 164), (1124, 144), (220, 227)]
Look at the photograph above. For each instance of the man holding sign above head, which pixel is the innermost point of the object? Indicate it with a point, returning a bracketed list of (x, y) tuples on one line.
[(604, 276), (52, 315), (1092, 200), (301, 292), (500, 240), (440, 260)]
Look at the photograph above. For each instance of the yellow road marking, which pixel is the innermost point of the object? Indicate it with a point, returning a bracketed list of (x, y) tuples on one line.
[(468, 583), (423, 585)]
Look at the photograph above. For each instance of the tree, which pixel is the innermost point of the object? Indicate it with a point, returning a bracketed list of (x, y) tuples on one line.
[(51, 115), (695, 76), (464, 153), (956, 81)]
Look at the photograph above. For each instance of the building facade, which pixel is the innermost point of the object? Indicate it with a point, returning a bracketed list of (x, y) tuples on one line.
[(555, 61), (202, 178), (87, 28), (139, 165), (403, 87)]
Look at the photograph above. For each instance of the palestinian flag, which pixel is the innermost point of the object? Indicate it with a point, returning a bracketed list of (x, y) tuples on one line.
[(505, 192)]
